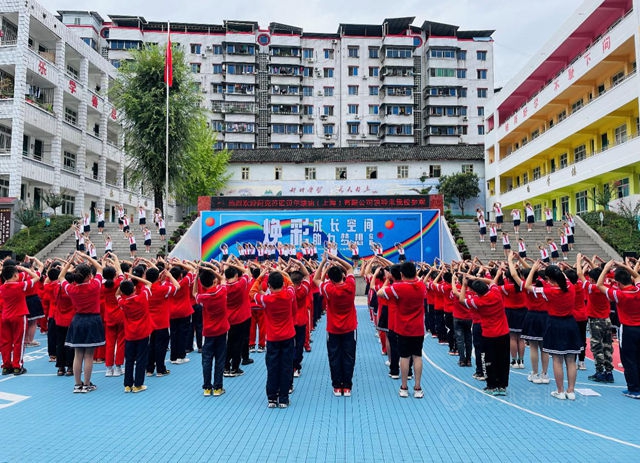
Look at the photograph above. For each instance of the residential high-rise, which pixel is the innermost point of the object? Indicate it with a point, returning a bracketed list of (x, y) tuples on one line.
[(389, 84)]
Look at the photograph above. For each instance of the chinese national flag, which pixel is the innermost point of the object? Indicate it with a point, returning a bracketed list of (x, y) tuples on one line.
[(168, 65)]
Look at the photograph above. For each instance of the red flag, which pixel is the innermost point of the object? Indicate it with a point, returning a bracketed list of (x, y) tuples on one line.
[(168, 65)]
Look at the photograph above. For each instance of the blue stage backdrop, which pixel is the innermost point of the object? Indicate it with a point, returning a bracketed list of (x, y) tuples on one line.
[(417, 230)]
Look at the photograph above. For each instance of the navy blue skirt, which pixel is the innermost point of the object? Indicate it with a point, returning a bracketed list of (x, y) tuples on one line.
[(535, 324), (34, 304), (515, 319), (562, 336), (86, 330)]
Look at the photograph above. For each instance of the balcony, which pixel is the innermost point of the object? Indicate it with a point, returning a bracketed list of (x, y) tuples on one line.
[(616, 156), (229, 107)]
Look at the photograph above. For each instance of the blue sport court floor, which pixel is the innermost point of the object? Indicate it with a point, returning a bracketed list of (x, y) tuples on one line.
[(43, 421)]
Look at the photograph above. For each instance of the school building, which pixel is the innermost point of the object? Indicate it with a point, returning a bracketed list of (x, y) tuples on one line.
[(566, 127)]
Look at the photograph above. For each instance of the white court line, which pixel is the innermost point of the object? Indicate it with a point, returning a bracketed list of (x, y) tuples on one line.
[(592, 384), (526, 410), (11, 398)]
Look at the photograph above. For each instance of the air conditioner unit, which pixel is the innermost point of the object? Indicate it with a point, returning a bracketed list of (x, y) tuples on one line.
[(364, 135), (310, 60), (310, 117), (323, 117), (327, 136), (334, 42), (364, 77), (320, 93), (204, 55), (356, 116), (208, 48), (465, 119)]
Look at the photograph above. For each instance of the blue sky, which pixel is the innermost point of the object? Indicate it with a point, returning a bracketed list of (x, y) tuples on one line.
[(522, 26)]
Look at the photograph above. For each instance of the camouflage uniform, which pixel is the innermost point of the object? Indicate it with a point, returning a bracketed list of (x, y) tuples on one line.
[(601, 343)]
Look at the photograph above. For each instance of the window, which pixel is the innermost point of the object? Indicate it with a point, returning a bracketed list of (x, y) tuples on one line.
[(374, 129), (525, 178), (327, 110), (622, 188), (581, 201), (328, 91), (70, 116), (217, 49), (69, 161), (621, 134), (373, 109), (481, 55), (482, 93), (244, 173), (373, 52), (481, 74), (307, 72), (328, 53), (480, 110), (372, 172), (341, 173), (562, 116), (373, 90), (307, 110), (537, 211), (435, 170), (399, 53), (353, 51), (277, 173), (536, 173), (217, 68), (577, 105), (617, 78), (403, 171), (327, 129), (353, 128), (352, 89), (4, 187), (462, 55), (352, 109), (72, 71), (352, 71), (307, 129), (579, 153), (5, 139), (442, 72), (564, 160), (462, 92), (373, 71), (195, 68), (307, 53), (481, 130), (309, 173), (461, 73), (307, 91), (327, 72), (467, 168), (443, 53), (195, 48), (68, 204)]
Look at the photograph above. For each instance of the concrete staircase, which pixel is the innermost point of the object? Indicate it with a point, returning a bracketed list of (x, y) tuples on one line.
[(586, 241), (66, 243)]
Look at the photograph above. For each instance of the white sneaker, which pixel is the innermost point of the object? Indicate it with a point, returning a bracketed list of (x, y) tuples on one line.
[(559, 395), (571, 395), (403, 392), (296, 373), (109, 372), (581, 366), (387, 362), (544, 378), (418, 393), (533, 377), (117, 371)]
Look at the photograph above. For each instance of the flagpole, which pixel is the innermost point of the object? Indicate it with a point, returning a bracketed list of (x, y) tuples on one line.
[(166, 153)]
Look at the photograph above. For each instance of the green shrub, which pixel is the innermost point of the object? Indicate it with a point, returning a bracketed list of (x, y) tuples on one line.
[(615, 231), (33, 240)]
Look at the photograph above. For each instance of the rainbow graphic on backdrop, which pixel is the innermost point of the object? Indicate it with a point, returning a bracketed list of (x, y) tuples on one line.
[(417, 231)]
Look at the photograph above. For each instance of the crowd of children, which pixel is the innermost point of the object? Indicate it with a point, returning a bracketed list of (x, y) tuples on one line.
[(128, 313)]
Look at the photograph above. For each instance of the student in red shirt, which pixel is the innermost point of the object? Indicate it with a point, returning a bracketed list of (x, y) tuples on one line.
[(300, 279), (257, 322), (14, 316), (134, 302), (181, 310), (627, 298), (279, 304), (237, 281), (487, 300), (339, 291), (113, 320), (86, 331), (212, 295), (409, 294)]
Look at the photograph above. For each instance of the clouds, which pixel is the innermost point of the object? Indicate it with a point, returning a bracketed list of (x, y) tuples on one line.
[(521, 26)]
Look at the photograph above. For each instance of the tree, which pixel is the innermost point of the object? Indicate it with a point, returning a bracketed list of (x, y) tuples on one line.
[(140, 95), (53, 199), (630, 213), (424, 190), (603, 195), (204, 170), (28, 216), (459, 187)]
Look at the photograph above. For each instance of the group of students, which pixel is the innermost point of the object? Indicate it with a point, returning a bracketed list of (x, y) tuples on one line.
[(127, 313), (549, 249), (493, 309)]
